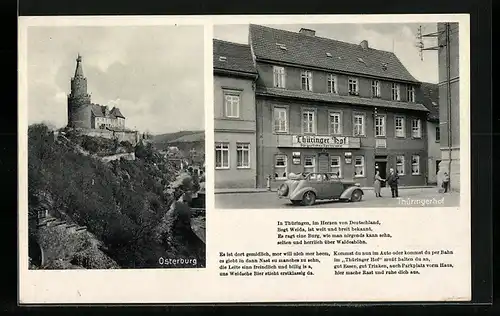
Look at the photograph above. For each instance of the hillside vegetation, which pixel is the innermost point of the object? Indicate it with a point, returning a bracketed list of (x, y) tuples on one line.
[(132, 208), (162, 141)]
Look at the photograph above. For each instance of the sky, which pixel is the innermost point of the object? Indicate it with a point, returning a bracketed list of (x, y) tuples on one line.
[(154, 74), (396, 37)]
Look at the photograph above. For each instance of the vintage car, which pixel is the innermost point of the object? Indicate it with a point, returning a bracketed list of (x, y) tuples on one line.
[(306, 188)]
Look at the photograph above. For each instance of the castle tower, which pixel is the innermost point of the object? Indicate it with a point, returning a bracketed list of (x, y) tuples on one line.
[(79, 108)]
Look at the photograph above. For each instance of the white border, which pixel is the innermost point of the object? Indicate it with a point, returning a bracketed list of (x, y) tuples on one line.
[(204, 285)]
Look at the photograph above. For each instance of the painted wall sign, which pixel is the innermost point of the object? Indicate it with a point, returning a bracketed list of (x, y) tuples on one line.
[(311, 141)]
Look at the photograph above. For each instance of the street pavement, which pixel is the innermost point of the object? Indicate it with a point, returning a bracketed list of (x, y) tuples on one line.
[(414, 197)]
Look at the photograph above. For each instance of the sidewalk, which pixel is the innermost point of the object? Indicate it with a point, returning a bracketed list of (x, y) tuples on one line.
[(263, 190)]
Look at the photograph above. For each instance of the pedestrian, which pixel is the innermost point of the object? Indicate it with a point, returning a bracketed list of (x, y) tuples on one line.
[(392, 181), (446, 182), (377, 184)]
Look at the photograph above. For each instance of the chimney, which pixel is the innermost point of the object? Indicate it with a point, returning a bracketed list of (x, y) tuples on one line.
[(308, 32), (364, 44)]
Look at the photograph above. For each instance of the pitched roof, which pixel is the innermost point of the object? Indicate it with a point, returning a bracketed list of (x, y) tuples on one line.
[(99, 111), (318, 52), (191, 138), (430, 100), (116, 112), (330, 97), (233, 57)]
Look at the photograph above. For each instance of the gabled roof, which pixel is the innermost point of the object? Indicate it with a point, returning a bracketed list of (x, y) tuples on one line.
[(233, 57), (99, 111), (330, 97), (116, 112), (430, 100), (191, 138), (318, 52)]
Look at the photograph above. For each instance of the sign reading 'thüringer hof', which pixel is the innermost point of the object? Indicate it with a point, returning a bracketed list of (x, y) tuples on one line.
[(325, 141)]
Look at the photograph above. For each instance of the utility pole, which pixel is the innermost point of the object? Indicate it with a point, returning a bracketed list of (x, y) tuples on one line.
[(420, 45)]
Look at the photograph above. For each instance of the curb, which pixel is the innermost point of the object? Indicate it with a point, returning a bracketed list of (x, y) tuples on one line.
[(275, 190)]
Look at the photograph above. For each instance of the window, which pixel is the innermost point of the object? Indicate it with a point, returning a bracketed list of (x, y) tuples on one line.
[(400, 164), (438, 134), (415, 165), (416, 128), (335, 123), (306, 78), (280, 120), (359, 166), (375, 88), (243, 155), (353, 86), (332, 83), (359, 125), (400, 126), (279, 76), (335, 166), (222, 156), (309, 164), (395, 92), (280, 167), (308, 121), (410, 94), (232, 105), (380, 125)]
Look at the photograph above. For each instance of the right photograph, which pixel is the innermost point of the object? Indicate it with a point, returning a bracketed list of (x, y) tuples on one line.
[(336, 115)]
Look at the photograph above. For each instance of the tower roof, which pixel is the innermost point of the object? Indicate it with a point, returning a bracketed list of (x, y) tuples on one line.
[(79, 68)]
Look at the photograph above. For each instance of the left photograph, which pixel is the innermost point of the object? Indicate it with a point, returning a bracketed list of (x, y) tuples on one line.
[(116, 147)]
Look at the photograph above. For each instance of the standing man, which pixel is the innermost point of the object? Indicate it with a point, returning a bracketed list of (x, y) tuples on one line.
[(392, 181), (446, 182)]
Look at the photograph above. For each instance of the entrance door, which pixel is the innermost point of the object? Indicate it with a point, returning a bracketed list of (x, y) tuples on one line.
[(437, 165), (323, 162), (381, 166)]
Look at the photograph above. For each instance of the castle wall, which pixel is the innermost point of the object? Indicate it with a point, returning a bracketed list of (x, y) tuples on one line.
[(130, 136)]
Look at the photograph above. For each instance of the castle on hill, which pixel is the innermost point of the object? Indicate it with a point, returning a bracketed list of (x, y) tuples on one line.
[(82, 113)]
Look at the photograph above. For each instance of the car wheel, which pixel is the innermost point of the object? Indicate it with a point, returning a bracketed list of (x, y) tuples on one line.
[(356, 196), (309, 198)]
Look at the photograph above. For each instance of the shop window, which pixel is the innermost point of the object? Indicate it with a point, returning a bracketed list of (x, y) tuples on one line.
[(400, 165), (335, 166), (309, 164), (280, 167), (415, 165), (359, 166)]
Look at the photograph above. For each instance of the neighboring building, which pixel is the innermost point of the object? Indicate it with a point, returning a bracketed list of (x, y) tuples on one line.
[(234, 116), (191, 148), (430, 99), (82, 113), (449, 104), (330, 106)]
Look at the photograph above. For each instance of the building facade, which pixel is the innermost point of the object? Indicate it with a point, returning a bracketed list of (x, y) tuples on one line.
[(82, 113), (234, 116), (449, 101), (430, 99), (329, 106)]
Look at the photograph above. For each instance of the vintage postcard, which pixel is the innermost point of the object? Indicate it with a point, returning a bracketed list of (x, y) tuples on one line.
[(238, 157)]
